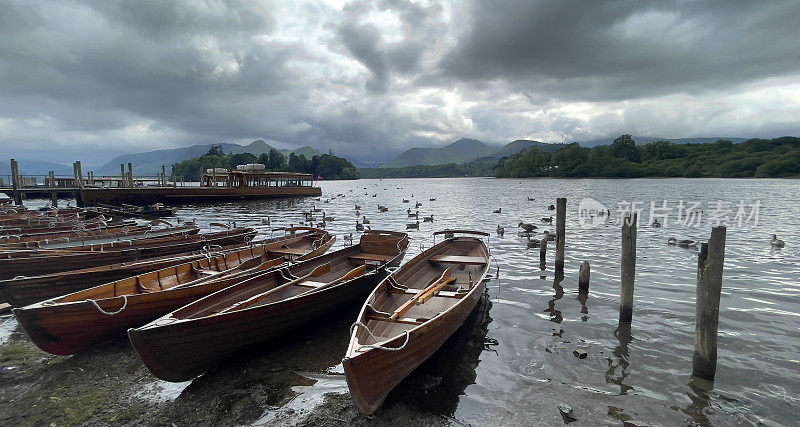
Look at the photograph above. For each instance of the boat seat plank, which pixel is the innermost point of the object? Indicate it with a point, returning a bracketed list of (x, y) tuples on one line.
[(445, 294), (288, 251), (458, 259), (204, 272), (372, 257), (311, 284)]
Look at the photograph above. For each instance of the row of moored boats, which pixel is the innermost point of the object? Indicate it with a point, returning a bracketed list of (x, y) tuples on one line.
[(188, 301)]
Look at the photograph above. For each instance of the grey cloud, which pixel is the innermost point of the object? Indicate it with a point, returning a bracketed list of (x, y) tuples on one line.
[(624, 49)]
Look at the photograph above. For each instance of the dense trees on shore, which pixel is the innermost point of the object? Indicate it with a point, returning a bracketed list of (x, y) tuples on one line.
[(324, 166), (778, 157)]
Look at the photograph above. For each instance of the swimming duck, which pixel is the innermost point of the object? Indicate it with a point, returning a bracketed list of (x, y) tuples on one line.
[(527, 227), (533, 243), (413, 225), (548, 220), (776, 242), (500, 231), (551, 208), (358, 208), (365, 220), (265, 221), (531, 199), (498, 210), (405, 201), (549, 237), (433, 200), (359, 226), (656, 224), (417, 205), (427, 218), (686, 243), (413, 215)]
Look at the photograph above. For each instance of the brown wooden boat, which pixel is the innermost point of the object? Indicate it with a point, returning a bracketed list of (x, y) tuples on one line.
[(25, 290), (411, 314), (55, 228), (73, 323), (75, 237), (184, 343), (42, 261)]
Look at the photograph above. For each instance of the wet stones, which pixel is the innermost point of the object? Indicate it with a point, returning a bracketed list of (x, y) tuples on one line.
[(567, 413)]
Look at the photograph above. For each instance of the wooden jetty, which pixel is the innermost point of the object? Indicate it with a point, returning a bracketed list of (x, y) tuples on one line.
[(217, 184)]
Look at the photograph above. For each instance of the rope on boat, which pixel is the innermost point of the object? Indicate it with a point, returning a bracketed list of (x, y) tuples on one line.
[(376, 346), (110, 313)]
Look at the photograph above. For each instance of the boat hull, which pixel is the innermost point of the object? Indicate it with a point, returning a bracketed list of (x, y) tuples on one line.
[(172, 354), (373, 374)]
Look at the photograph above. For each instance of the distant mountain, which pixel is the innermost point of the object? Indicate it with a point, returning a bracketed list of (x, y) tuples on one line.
[(460, 151), (149, 163), (36, 167), (645, 139), (465, 150)]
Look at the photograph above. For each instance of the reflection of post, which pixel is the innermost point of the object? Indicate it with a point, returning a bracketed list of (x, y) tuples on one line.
[(583, 278), (561, 221), (628, 268), (709, 288), (620, 352)]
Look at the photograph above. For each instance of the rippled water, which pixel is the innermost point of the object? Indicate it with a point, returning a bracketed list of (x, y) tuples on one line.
[(514, 363)]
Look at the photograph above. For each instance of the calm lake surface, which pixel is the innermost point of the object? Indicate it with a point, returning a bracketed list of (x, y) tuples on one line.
[(512, 363)]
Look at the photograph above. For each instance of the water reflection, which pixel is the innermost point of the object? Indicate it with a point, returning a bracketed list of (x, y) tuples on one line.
[(437, 385), (555, 314), (699, 389), (617, 371)]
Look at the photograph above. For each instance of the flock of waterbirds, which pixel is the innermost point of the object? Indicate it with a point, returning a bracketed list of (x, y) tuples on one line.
[(318, 218)]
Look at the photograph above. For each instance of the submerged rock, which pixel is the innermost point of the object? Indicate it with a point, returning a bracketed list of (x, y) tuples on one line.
[(580, 353), (567, 413)]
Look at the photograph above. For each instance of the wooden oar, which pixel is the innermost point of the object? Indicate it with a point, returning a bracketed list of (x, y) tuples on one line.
[(319, 271), (437, 284)]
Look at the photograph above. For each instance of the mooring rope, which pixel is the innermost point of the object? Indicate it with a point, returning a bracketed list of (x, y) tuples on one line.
[(375, 346), (108, 313)]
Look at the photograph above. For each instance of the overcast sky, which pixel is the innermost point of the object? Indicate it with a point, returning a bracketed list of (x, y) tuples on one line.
[(92, 79)]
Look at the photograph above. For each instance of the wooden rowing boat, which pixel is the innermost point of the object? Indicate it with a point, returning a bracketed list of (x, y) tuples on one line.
[(73, 238), (24, 290), (43, 261), (184, 343), (411, 314), (75, 322)]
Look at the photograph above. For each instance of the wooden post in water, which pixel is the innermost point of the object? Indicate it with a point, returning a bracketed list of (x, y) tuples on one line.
[(122, 175), (130, 175), (174, 178), (583, 278), (561, 222), (543, 253), (78, 174), (15, 182), (628, 267), (709, 287)]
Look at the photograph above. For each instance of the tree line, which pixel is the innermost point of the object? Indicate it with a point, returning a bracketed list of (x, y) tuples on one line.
[(323, 166), (761, 158)]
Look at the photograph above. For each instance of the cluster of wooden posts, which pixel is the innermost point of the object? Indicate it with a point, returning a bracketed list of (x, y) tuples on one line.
[(709, 284)]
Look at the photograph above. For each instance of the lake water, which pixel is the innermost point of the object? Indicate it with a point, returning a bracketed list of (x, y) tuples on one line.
[(513, 363)]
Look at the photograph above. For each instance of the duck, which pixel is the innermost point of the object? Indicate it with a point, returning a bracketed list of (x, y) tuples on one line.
[(359, 226), (533, 243), (413, 225), (405, 200), (265, 221), (656, 224), (358, 208), (686, 243), (531, 199), (500, 231), (548, 220), (433, 199), (498, 210), (776, 242), (413, 215), (551, 208), (549, 237), (417, 205), (349, 239), (427, 218), (364, 220), (527, 227)]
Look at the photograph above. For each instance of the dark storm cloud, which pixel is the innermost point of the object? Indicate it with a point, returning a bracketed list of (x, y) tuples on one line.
[(611, 50)]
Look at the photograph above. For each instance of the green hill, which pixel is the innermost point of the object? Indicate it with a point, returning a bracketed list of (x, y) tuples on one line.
[(460, 151)]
